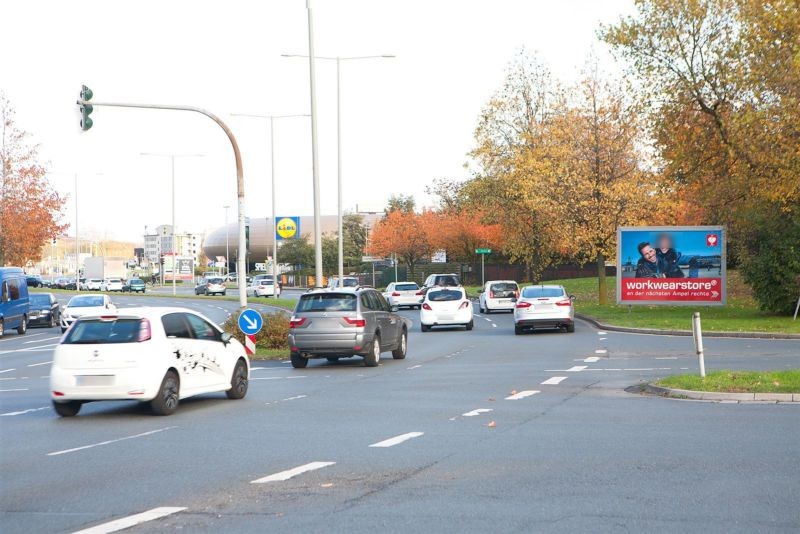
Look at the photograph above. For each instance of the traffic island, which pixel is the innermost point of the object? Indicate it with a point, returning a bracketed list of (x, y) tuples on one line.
[(731, 386)]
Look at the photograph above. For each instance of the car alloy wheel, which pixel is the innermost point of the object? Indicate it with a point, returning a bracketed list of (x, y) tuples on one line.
[(374, 357), (400, 352), (167, 398), (239, 381)]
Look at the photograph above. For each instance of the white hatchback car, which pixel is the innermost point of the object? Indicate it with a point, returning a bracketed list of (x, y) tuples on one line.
[(544, 307), (498, 295), (93, 284), (403, 294), (81, 305), (263, 287), (155, 355), (446, 306), (112, 284)]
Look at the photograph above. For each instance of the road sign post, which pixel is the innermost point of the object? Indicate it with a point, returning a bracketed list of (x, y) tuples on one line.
[(482, 252), (697, 332)]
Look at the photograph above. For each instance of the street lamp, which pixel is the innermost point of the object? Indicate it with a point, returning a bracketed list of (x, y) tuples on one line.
[(272, 179), (227, 245), (173, 240), (338, 60)]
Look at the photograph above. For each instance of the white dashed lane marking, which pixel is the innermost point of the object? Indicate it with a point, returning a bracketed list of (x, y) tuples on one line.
[(40, 363), (290, 473), (40, 340), (522, 394), (601, 351), (7, 371), (9, 390), (21, 412), (479, 411), (554, 381), (143, 434), (494, 325), (577, 368), (391, 442), (591, 359), (414, 367), (601, 333), (132, 520)]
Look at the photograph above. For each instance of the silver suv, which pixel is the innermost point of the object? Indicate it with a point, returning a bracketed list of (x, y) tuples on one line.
[(343, 323)]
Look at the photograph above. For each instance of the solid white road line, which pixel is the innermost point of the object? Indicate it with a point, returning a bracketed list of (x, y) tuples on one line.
[(38, 364), (577, 368), (479, 411), (20, 389), (131, 520), (391, 442), (65, 451), (414, 367), (554, 381), (286, 475), (40, 340), (600, 351), (523, 394), (9, 414), (591, 359), (7, 371)]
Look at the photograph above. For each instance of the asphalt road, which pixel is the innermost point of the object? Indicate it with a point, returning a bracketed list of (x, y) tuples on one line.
[(478, 431)]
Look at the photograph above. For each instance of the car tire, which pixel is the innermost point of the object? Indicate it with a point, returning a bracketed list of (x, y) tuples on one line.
[(332, 359), (23, 326), (168, 396), (424, 327), (223, 293), (481, 309), (2, 328), (470, 325), (239, 381), (67, 409), (298, 362), (517, 330), (571, 328), (52, 320), (373, 357), (400, 352)]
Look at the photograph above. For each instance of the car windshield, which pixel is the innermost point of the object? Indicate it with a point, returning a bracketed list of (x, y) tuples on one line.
[(215, 280), (85, 302), (322, 302), (40, 300), (542, 292), (86, 331), (406, 287), (135, 281), (445, 295)]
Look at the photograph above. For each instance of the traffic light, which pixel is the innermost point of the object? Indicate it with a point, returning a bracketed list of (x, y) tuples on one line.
[(86, 109)]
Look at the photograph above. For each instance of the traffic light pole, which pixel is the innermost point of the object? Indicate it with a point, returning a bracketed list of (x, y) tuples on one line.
[(241, 257)]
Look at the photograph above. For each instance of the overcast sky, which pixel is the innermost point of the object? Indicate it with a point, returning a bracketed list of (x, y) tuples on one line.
[(405, 121)]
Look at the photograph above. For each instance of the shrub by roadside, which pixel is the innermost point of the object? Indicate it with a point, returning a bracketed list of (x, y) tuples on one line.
[(273, 335)]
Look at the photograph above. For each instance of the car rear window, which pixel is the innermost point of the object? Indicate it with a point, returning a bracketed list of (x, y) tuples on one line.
[(215, 280), (444, 295), (350, 282), (86, 331), (84, 302), (406, 287), (40, 300), (134, 281), (265, 282), (322, 302), (542, 292), (448, 280)]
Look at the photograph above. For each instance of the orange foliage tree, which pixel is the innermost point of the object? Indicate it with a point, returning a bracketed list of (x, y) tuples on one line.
[(405, 234), (29, 207), (459, 233)]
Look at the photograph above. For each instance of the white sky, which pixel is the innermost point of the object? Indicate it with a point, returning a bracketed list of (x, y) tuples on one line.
[(405, 121)]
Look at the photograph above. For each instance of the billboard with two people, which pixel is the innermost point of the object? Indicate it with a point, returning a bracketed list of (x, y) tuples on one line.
[(671, 265)]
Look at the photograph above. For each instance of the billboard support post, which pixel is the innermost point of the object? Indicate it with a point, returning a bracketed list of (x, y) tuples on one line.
[(697, 334)]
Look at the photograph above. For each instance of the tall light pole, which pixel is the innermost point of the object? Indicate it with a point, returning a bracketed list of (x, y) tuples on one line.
[(174, 241), (227, 245), (272, 179), (314, 150), (339, 60)]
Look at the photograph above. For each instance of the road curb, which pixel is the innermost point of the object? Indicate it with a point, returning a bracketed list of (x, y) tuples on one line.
[(720, 396), (706, 333)]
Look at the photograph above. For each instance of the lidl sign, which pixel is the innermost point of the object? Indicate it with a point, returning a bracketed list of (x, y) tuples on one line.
[(287, 227)]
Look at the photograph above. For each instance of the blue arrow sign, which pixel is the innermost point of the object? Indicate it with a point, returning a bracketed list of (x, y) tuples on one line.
[(250, 322)]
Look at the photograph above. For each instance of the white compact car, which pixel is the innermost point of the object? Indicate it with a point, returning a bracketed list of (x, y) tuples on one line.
[(112, 284), (81, 305), (156, 355), (446, 306), (263, 287), (544, 307), (93, 284), (498, 295), (403, 294)]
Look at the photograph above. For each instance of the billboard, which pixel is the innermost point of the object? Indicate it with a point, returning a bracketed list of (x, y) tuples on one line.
[(185, 268), (671, 265), (287, 228)]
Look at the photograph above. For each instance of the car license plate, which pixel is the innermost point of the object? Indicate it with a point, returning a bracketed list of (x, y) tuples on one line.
[(446, 317), (94, 380)]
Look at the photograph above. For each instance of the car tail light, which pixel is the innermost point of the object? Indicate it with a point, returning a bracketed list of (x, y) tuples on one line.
[(491, 294), (516, 293), (353, 321), (523, 304), (396, 294), (297, 323), (58, 394), (464, 305), (427, 306), (144, 330), (420, 293), (564, 302)]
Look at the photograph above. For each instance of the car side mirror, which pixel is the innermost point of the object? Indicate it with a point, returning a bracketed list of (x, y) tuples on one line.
[(225, 337), (395, 308), (572, 297)]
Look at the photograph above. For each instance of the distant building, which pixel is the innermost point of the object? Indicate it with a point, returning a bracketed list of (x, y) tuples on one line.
[(160, 242)]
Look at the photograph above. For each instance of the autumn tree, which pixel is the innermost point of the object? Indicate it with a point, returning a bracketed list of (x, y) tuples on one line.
[(355, 239), (29, 207), (405, 234)]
